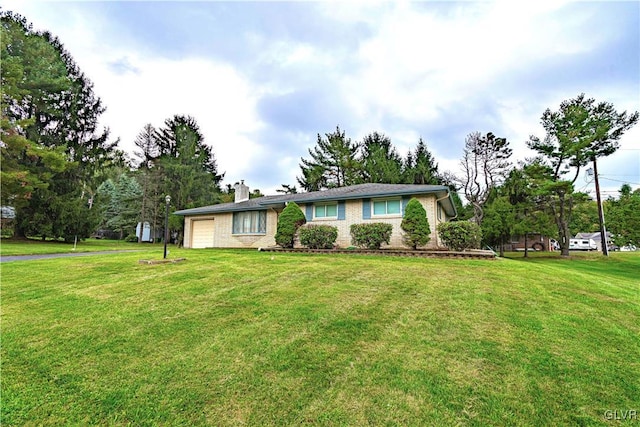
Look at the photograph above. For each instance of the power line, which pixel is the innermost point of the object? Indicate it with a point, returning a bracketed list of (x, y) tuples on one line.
[(617, 180)]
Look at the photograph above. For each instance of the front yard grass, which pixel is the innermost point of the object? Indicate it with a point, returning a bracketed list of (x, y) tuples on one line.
[(9, 247), (245, 337)]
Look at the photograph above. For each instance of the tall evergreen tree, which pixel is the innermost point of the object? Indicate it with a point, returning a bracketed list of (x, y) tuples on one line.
[(420, 167), (187, 165), (49, 102), (122, 205), (333, 163), (148, 150), (380, 160)]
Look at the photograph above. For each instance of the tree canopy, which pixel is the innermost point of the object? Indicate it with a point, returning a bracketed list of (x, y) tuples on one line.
[(485, 163), (333, 163), (579, 132), (52, 144), (336, 161)]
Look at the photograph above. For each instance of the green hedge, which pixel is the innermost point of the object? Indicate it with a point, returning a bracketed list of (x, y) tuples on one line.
[(371, 236), (460, 235), (318, 236)]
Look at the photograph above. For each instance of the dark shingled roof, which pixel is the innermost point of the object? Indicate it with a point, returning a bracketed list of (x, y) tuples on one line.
[(361, 191)]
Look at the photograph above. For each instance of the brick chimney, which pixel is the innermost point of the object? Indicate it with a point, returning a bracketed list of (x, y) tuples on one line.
[(242, 192)]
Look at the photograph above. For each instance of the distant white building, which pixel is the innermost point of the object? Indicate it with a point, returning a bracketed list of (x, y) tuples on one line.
[(596, 238), (147, 233)]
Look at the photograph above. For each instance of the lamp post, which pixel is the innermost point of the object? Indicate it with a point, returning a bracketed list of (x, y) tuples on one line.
[(166, 224)]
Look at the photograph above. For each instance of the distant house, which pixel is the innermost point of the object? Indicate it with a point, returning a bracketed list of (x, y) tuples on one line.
[(252, 223), (7, 217)]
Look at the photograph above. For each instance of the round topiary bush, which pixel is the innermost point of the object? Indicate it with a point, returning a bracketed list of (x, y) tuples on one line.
[(460, 235), (318, 236), (371, 236), (415, 225), (289, 221)]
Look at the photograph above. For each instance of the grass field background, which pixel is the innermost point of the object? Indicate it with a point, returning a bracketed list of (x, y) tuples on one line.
[(10, 247), (245, 337)]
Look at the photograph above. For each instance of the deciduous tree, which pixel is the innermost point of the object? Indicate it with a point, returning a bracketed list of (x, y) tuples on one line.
[(485, 163), (623, 217)]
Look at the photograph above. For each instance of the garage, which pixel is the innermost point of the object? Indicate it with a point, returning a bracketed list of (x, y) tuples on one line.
[(202, 233)]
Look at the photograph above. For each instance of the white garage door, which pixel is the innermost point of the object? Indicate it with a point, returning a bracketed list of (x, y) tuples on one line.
[(202, 232)]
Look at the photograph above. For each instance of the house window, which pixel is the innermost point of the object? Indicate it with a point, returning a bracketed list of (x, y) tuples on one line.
[(254, 222), (386, 207), (326, 211)]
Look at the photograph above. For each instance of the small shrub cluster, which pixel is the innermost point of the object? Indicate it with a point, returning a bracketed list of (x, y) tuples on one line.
[(415, 225), (131, 238), (289, 221), (318, 236), (371, 236), (460, 235)]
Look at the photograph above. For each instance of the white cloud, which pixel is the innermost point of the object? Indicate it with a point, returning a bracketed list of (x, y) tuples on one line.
[(414, 61), (219, 99)]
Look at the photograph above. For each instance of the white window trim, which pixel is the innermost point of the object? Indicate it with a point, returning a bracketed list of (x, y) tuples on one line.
[(325, 218), (249, 234), (386, 215)]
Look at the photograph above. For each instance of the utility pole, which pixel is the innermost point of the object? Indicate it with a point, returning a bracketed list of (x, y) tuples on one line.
[(603, 230)]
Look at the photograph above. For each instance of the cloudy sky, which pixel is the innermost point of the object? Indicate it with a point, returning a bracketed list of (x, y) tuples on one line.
[(264, 78)]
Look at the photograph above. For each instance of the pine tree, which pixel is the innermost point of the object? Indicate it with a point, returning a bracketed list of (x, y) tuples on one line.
[(49, 102), (420, 167), (380, 160), (333, 163)]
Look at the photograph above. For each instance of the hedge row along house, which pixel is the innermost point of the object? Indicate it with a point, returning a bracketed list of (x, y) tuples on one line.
[(252, 223)]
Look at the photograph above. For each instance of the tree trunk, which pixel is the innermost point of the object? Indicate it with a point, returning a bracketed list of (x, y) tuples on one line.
[(564, 235), (502, 247), (18, 231), (563, 225), (526, 245)]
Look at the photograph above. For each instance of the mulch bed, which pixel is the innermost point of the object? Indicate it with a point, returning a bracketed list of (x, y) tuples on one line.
[(473, 254)]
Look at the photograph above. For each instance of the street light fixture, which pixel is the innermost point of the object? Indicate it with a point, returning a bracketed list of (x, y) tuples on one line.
[(166, 224)]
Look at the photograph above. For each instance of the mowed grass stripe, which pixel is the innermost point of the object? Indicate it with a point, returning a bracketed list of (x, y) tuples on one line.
[(242, 337)]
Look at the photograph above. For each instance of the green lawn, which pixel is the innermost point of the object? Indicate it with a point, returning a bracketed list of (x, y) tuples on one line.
[(35, 247), (247, 337)]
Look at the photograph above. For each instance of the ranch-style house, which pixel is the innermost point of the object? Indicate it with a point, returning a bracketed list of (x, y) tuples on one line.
[(252, 223)]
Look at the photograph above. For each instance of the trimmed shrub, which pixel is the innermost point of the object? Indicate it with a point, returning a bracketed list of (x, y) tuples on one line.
[(318, 236), (460, 235), (289, 221), (415, 225), (371, 236), (131, 238)]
